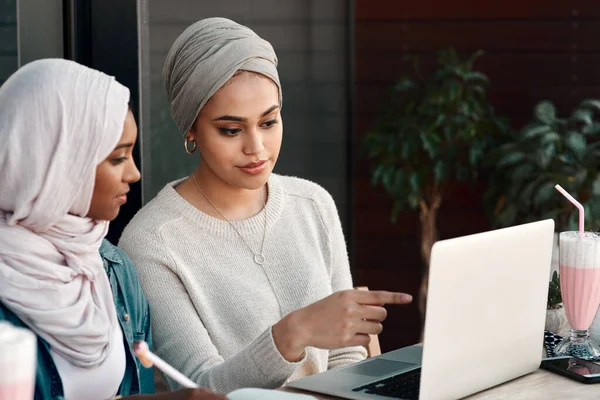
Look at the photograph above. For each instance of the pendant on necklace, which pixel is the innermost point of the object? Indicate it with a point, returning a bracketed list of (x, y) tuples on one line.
[(259, 258)]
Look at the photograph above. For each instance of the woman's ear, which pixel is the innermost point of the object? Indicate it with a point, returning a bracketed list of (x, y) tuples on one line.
[(191, 135)]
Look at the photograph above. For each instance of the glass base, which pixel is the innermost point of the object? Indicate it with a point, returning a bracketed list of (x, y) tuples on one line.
[(579, 345)]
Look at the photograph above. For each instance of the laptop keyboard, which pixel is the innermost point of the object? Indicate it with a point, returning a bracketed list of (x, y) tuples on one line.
[(402, 386)]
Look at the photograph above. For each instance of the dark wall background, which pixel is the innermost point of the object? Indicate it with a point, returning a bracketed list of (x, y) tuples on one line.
[(8, 39)]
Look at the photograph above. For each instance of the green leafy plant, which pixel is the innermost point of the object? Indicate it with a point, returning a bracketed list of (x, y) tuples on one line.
[(532, 161), (435, 131), (554, 295)]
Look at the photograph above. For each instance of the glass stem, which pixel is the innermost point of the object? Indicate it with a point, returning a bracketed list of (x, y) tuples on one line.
[(579, 335)]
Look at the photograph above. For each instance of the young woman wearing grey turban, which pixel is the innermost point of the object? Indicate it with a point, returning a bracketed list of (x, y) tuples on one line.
[(246, 271)]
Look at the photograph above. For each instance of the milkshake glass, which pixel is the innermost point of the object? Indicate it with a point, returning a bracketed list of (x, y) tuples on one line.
[(18, 354), (580, 289)]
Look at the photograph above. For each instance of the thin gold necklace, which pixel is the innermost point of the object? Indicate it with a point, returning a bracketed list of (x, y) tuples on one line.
[(259, 257)]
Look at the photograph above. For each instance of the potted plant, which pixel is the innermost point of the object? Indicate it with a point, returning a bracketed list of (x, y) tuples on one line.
[(548, 151), (556, 319), (435, 131), (532, 160)]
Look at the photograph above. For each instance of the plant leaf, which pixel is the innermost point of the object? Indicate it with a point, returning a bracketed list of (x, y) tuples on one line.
[(398, 206), (507, 216), (590, 103), (550, 137), (510, 159), (526, 193), (545, 112), (542, 158), (428, 143), (580, 176), (377, 174), (413, 200), (576, 142), (475, 154), (414, 182), (582, 115), (522, 172), (550, 150), (592, 129), (544, 194), (535, 130), (405, 84), (477, 76), (596, 187), (439, 171)]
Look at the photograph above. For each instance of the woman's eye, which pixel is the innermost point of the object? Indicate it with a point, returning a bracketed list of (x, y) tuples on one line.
[(230, 131), (118, 160), (270, 123)]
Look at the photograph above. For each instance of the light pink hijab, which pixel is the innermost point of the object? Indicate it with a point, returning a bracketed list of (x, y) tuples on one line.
[(58, 121)]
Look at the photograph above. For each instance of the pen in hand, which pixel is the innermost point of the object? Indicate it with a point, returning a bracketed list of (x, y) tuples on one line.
[(147, 358)]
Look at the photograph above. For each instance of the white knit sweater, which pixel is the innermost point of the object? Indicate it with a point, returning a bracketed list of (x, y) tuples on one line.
[(213, 307)]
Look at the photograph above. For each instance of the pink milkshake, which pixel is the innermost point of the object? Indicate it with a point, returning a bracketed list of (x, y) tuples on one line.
[(18, 353), (580, 289)]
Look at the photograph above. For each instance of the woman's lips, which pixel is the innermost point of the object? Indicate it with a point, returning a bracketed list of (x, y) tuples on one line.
[(254, 168)]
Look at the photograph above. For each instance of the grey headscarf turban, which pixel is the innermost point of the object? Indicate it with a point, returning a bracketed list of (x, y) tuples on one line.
[(204, 57)]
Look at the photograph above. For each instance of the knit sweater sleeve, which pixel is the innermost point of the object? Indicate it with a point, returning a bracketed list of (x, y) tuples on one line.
[(181, 338), (341, 278)]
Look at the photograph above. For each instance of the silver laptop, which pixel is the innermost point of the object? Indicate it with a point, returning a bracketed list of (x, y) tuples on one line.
[(484, 324)]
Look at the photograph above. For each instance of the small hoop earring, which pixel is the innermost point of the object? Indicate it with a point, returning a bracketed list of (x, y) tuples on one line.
[(187, 148)]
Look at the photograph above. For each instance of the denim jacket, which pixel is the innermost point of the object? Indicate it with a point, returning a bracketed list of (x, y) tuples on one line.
[(134, 317)]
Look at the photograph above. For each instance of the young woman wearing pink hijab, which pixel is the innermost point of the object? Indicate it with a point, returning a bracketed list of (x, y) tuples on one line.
[(65, 168)]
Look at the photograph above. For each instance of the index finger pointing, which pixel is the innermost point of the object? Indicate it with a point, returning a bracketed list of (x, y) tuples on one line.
[(378, 297)]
